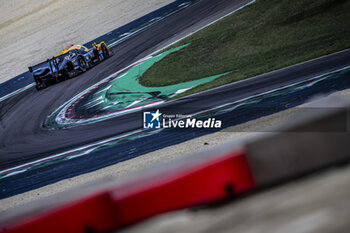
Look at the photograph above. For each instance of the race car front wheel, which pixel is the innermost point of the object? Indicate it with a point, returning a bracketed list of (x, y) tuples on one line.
[(82, 64)]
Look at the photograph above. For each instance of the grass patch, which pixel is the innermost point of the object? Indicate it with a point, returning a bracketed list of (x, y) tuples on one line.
[(265, 36)]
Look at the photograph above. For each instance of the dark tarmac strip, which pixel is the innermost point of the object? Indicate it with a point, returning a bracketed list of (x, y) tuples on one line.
[(22, 139)]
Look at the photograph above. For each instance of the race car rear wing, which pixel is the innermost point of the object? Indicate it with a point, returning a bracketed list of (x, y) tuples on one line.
[(49, 63), (42, 65)]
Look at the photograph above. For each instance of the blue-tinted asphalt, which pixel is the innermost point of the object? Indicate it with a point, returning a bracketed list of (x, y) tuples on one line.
[(24, 140), (46, 175), (23, 137)]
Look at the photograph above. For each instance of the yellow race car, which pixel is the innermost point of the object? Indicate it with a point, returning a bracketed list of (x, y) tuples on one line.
[(72, 61)]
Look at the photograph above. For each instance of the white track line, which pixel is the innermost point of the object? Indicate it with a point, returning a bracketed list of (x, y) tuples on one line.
[(154, 21), (216, 20), (71, 151), (16, 92), (276, 89)]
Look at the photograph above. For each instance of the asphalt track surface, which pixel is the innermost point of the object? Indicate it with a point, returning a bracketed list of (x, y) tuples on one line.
[(23, 139)]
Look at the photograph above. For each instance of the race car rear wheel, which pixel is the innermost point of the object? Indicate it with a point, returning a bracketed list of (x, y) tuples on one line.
[(82, 64), (105, 50)]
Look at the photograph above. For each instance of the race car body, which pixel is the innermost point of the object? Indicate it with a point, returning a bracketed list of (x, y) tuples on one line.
[(72, 61)]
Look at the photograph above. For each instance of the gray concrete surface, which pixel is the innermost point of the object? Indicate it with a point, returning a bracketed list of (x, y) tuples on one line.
[(317, 137), (33, 30)]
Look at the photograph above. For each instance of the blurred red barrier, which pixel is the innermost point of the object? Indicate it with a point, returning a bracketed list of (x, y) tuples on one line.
[(213, 180)]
